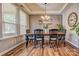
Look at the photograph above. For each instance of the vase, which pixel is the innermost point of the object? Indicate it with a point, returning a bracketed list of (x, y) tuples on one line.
[(46, 30)]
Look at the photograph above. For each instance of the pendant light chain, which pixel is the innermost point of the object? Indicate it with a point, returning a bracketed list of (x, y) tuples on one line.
[(45, 8)]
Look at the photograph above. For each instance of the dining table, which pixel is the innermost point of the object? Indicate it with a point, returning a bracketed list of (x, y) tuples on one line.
[(45, 34)]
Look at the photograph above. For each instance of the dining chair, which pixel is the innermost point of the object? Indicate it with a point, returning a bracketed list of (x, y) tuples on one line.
[(29, 38), (53, 37), (61, 37), (38, 35)]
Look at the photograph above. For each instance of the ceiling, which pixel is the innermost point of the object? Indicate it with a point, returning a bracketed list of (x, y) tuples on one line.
[(39, 8)]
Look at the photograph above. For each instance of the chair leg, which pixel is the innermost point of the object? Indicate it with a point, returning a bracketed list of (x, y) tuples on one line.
[(50, 42), (26, 43), (56, 43), (35, 43), (64, 43), (42, 42)]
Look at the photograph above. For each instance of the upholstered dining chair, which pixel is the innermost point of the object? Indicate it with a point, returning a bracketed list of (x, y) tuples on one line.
[(53, 37), (29, 38), (38, 35), (62, 37)]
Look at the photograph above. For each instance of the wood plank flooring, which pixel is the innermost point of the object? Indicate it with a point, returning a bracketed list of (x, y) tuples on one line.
[(47, 51)]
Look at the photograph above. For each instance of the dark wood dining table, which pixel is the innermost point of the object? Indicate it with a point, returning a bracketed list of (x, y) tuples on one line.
[(45, 34)]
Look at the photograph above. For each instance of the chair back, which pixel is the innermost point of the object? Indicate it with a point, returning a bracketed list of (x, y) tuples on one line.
[(27, 31), (62, 36), (53, 33), (64, 31), (38, 33), (29, 36)]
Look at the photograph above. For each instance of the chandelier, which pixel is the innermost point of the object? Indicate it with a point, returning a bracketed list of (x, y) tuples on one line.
[(45, 19), (45, 16)]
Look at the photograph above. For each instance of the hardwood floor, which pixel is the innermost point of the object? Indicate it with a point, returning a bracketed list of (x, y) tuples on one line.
[(47, 51)]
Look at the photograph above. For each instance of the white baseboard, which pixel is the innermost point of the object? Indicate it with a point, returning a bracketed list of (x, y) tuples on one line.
[(72, 44)]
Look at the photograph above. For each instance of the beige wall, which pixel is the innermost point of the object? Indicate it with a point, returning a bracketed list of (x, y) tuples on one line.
[(56, 19)]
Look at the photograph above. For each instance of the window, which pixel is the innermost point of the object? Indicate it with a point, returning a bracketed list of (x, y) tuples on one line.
[(22, 22), (9, 19)]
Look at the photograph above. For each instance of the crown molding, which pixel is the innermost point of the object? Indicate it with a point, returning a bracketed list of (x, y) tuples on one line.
[(63, 7), (42, 12), (26, 8)]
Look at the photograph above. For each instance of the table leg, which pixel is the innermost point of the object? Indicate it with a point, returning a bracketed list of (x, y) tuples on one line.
[(27, 39), (64, 42)]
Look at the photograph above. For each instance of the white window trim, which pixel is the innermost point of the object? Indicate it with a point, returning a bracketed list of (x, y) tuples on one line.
[(8, 34)]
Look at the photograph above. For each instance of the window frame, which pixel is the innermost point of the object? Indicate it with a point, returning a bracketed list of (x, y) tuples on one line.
[(4, 22), (23, 25)]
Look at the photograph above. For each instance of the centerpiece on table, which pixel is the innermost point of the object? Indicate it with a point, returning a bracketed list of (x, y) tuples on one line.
[(45, 26), (60, 27)]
